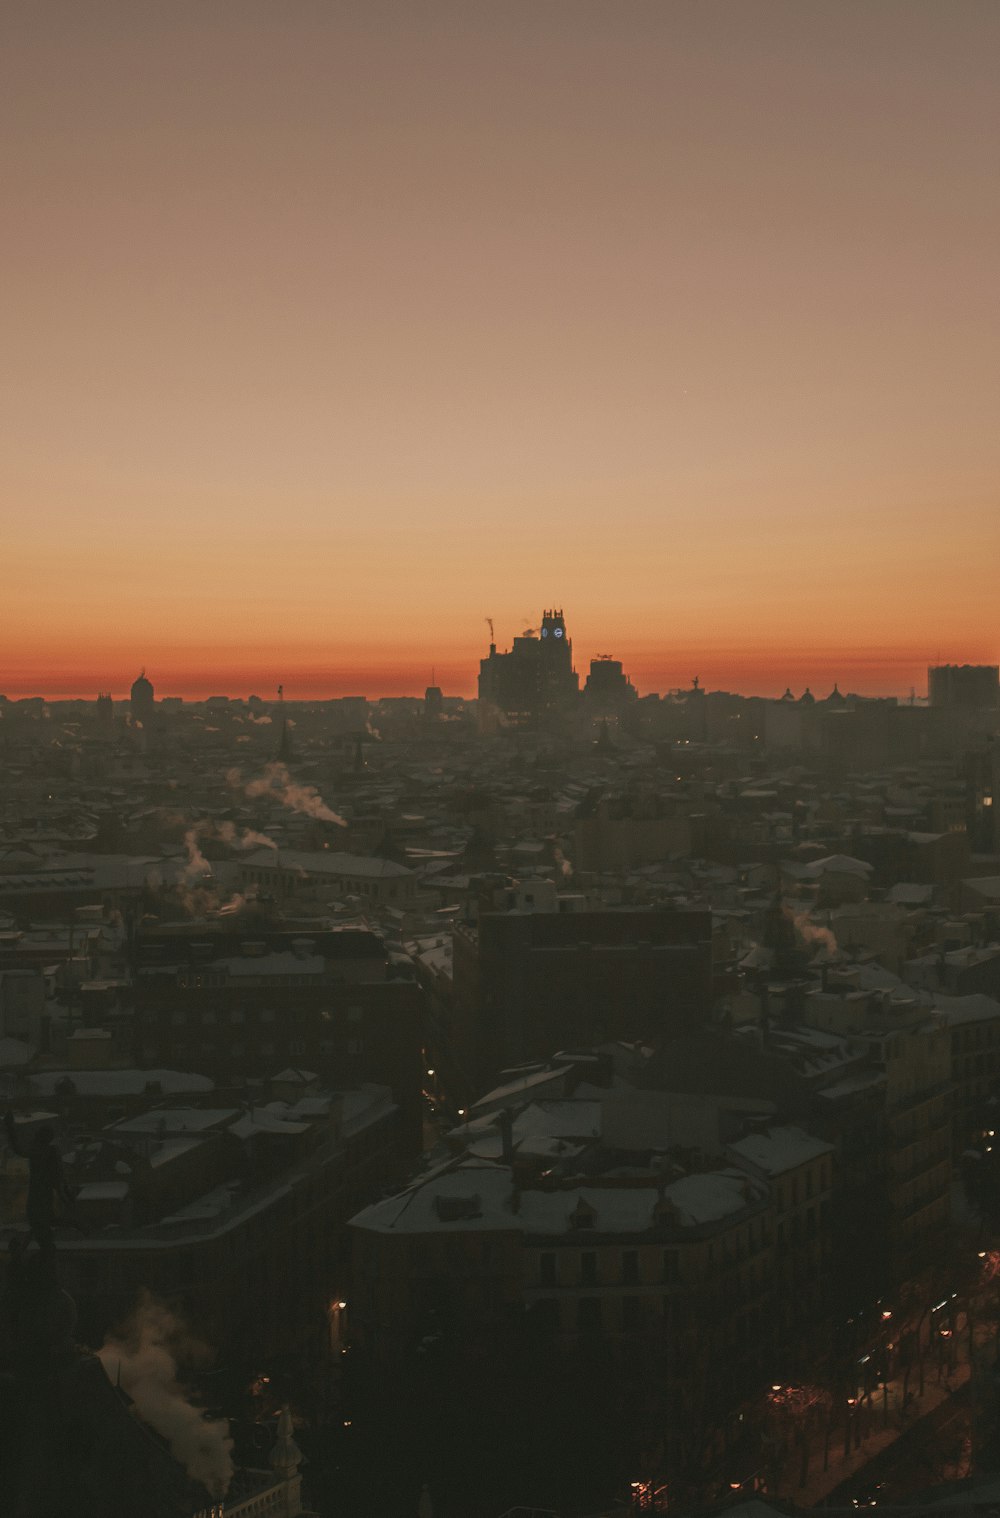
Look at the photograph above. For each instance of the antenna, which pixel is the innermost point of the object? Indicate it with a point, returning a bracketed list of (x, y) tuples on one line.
[(489, 624), (281, 693)]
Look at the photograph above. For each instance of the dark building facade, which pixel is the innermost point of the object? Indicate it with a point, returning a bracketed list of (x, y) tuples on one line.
[(969, 685), (529, 982), (238, 1008), (608, 690), (533, 680)]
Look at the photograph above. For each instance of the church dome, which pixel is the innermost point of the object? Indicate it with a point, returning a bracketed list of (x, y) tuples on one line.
[(142, 690)]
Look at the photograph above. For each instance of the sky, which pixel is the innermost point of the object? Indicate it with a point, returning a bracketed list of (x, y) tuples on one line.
[(330, 330)]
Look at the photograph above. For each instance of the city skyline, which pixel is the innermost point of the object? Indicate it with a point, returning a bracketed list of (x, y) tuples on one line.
[(333, 332), (864, 673)]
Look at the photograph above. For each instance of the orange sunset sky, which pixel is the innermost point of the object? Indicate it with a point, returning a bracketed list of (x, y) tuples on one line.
[(330, 330)]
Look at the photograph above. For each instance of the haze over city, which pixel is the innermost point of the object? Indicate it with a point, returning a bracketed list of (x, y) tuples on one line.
[(333, 330)]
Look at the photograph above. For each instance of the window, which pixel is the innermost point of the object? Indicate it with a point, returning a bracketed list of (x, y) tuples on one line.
[(630, 1266), (671, 1265), (547, 1269), (588, 1268), (588, 1315), (631, 1314)]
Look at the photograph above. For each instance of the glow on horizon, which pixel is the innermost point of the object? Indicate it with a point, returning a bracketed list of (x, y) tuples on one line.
[(759, 672)]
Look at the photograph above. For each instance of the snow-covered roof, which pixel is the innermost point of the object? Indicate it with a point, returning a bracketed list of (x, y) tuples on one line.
[(779, 1149), (966, 1009), (176, 1120), (479, 1196), (325, 862), (863, 1080), (102, 1191), (840, 864)]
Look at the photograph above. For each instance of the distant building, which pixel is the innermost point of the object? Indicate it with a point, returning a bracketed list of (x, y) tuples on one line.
[(608, 691), (287, 873), (142, 699), (969, 685), (534, 680)]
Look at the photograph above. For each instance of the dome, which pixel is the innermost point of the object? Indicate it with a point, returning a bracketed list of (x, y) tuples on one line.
[(835, 698), (142, 690), (807, 697)]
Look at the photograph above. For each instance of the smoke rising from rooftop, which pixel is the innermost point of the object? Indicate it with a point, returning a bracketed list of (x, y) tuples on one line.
[(146, 1355), (277, 785)]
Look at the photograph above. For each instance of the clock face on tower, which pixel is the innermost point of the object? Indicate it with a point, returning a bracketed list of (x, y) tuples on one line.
[(558, 631), (545, 632)]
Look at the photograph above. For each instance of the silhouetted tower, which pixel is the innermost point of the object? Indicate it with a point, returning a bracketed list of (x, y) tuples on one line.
[(142, 700), (285, 753), (433, 701)]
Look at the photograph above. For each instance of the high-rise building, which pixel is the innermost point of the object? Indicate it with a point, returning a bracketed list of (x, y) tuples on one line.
[(608, 690), (968, 685), (534, 679)]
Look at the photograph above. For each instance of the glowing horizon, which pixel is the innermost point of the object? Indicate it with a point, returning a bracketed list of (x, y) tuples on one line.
[(888, 672)]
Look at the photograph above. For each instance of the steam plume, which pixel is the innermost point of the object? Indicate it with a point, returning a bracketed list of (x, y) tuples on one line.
[(227, 832), (565, 868), (277, 784), (145, 1354), (810, 933), (197, 864)]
